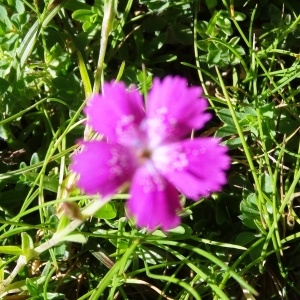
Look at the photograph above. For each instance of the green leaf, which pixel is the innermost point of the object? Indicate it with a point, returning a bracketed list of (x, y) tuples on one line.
[(223, 22), (238, 16), (249, 222), (76, 5), (203, 45), (87, 26), (233, 143), (30, 39), (180, 232), (225, 116), (221, 214), (267, 110), (13, 250), (266, 184), (214, 57), (27, 246), (75, 237), (250, 213), (156, 6), (1, 271), (34, 159), (287, 124), (3, 86), (84, 75), (201, 28), (183, 34), (4, 18), (11, 199), (60, 251), (250, 205), (27, 242), (225, 131), (154, 23), (46, 269), (3, 133), (57, 59), (49, 183), (63, 222), (108, 211), (82, 15), (61, 83), (211, 26), (163, 58), (20, 6), (245, 238), (151, 256), (229, 131), (120, 243), (233, 41), (211, 3), (32, 287), (55, 296)]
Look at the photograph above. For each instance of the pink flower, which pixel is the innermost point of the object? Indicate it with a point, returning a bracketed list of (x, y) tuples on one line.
[(147, 147)]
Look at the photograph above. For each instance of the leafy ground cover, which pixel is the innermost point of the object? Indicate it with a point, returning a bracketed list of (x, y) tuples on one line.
[(240, 243)]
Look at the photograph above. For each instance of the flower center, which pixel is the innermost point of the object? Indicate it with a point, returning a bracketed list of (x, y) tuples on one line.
[(144, 155)]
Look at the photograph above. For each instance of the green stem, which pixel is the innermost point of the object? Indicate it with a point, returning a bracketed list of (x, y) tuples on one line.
[(109, 13), (117, 268), (21, 262), (30, 39), (197, 61), (241, 136), (108, 17), (57, 238)]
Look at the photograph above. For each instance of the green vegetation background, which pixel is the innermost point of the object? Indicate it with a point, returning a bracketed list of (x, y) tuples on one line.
[(237, 244)]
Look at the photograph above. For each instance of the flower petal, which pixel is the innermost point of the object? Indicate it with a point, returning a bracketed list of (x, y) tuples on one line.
[(103, 167), (173, 110), (196, 167), (116, 113), (154, 201)]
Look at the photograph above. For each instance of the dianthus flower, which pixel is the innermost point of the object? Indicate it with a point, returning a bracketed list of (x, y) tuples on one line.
[(147, 145)]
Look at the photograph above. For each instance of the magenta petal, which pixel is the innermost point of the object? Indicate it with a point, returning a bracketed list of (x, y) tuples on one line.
[(173, 110), (102, 167), (154, 201), (196, 167), (116, 113)]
